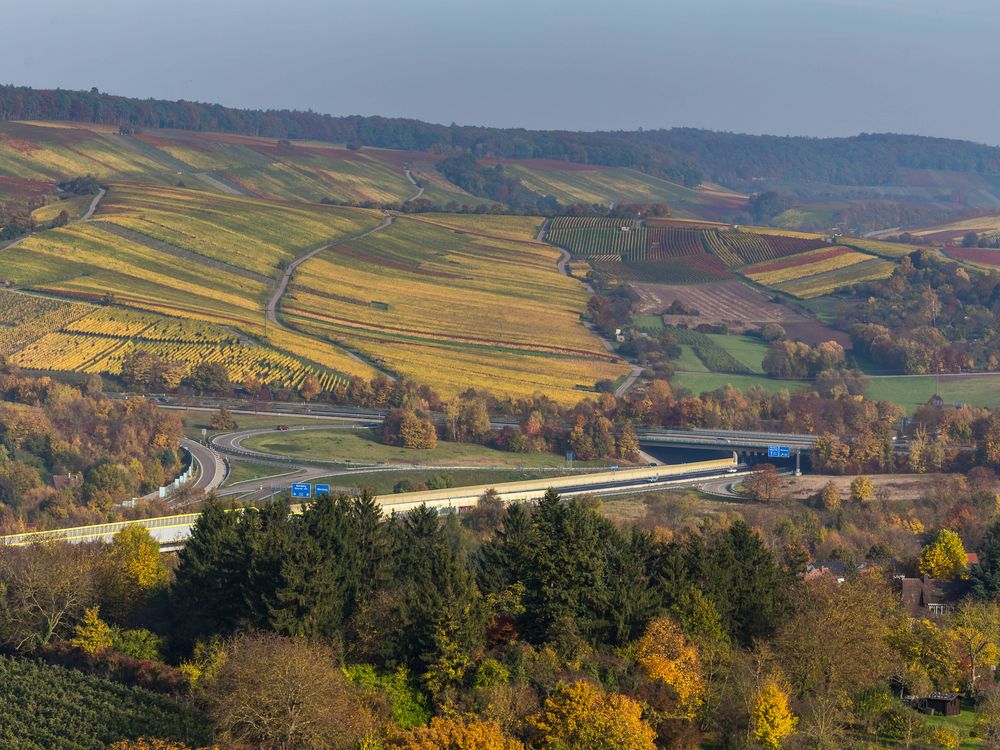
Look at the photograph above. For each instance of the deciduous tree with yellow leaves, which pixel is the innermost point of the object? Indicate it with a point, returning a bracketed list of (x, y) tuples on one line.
[(93, 635), (581, 715), (132, 569), (944, 557), (772, 721), (455, 734), (668, 656)]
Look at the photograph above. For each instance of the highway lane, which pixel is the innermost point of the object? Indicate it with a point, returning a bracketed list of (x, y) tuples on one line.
[(211, 466), (172, 531), (232, 442)]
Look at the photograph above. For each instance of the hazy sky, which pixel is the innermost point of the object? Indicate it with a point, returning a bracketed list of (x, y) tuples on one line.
[(813, 67)]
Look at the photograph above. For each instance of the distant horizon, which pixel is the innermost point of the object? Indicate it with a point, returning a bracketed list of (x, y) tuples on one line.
[(822, 68), (640, 128)]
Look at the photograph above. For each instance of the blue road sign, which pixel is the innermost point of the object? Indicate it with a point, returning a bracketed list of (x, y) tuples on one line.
[(322, 489), (301, 489), (778, 451)]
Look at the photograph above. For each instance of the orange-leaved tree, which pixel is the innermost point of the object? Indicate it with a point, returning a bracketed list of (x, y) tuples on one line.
[(668, 656)]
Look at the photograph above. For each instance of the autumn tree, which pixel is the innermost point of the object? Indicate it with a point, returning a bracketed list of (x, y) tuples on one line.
[(835, 641), (772, 720), (669, 657), (92, 635), (455, 734), (763, 484), (829, 497), (309, 388), (222, 421), (944, 557), (209, 377), (44, 591), (988, 719), (925, 656), (628, 443), (406, 429), (862, 490), (975, 626), (581, 715), (275, 693), (131, 571)]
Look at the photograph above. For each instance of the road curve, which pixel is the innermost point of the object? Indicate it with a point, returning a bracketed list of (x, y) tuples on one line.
[(232, 442), (211, 466)]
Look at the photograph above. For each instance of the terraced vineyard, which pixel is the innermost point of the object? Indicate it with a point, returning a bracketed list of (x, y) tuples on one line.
[(437, 303), (577, 183), (63, 709), (35, 155), (72, 337), (891, 250), (699, 269), (830, 281), (592, 236), (818, 272), (674, 242), (688, 252), (190, 255)]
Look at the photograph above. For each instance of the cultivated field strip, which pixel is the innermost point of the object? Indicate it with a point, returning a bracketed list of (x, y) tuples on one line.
[(420, 293), (72, 337), (685, 252), (720, 302)]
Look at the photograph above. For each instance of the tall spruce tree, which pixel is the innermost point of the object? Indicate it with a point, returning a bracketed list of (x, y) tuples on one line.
[(509, 554), (986, 574), (436, 593), (566, 582), (206, 594)]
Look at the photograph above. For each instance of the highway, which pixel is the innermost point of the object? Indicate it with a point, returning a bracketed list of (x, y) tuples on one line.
[(212, 470), (728, 439), (695, 437), (172, 531)]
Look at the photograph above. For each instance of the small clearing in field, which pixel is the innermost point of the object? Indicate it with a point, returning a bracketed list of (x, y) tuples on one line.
[(813, 332), (900, 486), (727, 302)]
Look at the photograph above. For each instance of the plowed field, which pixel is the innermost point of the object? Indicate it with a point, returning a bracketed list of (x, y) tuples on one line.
[(722, 302)]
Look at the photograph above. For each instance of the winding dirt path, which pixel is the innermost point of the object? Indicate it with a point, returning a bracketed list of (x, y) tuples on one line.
[(86, 217), (282, 285), (93, 204), (274, 300), (634, 370), (420, 190)]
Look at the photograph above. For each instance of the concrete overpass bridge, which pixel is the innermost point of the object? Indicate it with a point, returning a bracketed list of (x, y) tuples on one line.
[(746, 443)]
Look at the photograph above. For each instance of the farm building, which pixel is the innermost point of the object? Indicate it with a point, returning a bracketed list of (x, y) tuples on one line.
[(942, 704), (922, 597)]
